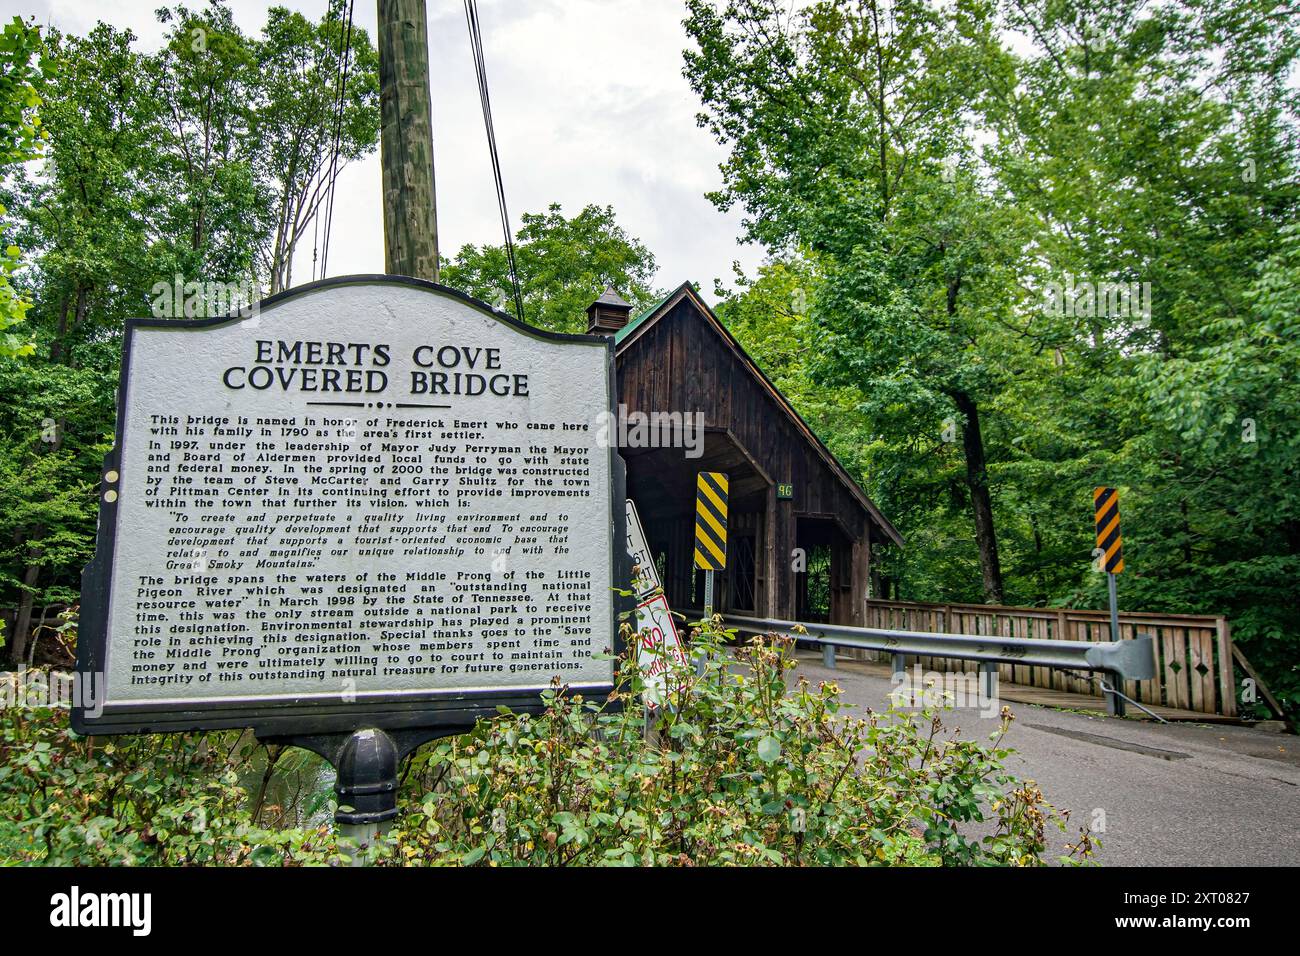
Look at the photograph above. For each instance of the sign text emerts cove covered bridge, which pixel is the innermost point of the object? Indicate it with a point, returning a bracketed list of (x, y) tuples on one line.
[(787, 491)]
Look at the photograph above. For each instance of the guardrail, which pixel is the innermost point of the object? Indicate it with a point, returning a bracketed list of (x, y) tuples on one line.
[(1127, 660), (1194, 654)]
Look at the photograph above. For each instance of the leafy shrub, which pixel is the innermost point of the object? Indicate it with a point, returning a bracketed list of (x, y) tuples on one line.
[(163, 799), (743, 770), (742, 766)]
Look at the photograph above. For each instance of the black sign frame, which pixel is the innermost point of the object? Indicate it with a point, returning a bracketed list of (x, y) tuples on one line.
[(418, 715)]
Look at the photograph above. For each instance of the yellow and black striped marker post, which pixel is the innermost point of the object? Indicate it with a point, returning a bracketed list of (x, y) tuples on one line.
[(710, 529), (1110, 552), (711, 521), (1106, 506)]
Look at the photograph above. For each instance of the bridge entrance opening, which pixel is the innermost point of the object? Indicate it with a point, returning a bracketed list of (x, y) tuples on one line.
[(824, 589), (662, 483)]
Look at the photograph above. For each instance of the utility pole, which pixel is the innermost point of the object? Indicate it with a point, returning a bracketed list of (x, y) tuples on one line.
[(366, 763), (406, 142)]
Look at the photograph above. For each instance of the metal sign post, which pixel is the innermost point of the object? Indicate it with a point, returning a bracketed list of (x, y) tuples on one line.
[(708, 616), (1110, 552), (1114, 607)]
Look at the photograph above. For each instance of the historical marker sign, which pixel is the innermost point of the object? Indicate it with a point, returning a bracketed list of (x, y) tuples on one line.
[(373, 503)]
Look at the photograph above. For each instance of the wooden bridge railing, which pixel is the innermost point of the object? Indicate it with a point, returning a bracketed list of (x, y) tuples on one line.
[(1194, 659)]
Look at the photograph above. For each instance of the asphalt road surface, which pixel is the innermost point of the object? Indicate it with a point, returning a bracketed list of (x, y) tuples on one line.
[(1167, 794)]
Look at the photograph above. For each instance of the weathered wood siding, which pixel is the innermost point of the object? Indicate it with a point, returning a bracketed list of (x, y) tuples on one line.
[(681, 363)]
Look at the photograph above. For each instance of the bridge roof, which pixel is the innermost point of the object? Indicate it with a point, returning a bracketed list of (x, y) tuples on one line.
[(628, 335)]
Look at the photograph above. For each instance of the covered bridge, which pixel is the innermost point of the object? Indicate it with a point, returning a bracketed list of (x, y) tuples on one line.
[(787, 491)]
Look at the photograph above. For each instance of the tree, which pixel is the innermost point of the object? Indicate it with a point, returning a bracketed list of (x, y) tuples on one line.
[(770, 315), (1103, 262), (207, 85), (21, 137), (563, 263), (157, 165), (1156, 145), (850, 135), (299, 69), (89, 221), (254, 125)]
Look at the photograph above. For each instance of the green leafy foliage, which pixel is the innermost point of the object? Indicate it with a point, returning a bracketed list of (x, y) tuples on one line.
[(170, 800), (21, 138), (926, 176), (563, 263), (746, 764)]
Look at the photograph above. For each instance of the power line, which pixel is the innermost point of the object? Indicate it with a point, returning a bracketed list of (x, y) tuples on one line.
[(480, 70), (345, 56)]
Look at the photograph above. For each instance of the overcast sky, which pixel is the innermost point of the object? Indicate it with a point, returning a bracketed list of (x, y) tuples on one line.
[(589, 104)]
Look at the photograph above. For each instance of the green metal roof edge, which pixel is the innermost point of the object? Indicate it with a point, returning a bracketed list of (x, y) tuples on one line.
[(628, 329)]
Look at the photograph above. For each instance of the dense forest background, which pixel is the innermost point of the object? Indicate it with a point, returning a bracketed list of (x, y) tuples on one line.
[(1017, 249)]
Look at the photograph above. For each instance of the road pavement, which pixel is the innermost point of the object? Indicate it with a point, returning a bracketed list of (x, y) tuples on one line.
[(1166, 794)]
